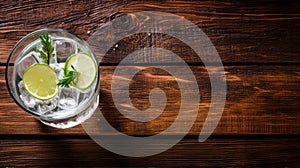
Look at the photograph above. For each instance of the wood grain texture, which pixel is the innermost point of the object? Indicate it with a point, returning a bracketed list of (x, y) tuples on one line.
[(242, 32), (257, 41), (267, 152), (260, 100)]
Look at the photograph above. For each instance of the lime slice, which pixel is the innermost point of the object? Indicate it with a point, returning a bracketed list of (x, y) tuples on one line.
[(87, 68), (40, 81)]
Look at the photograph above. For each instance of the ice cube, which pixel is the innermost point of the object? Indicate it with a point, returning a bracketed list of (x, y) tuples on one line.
[(85, 95), (58, 69), (45, 106), (64, 49), (40, 59), (25, 62), (68, 98), (28, 100)]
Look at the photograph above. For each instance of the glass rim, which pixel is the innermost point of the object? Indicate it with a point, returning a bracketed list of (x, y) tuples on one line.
[(95, 91)]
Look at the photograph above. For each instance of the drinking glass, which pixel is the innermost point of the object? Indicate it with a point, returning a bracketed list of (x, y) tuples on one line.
[(71, 106)]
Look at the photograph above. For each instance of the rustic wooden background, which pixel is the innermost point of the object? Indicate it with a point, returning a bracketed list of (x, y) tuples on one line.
[(257, 41)]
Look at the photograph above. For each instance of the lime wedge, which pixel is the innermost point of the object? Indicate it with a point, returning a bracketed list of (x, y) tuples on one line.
[(40, 81), (87, 68)]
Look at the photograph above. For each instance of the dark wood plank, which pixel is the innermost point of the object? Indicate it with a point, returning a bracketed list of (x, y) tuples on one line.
[(260, 100), (266, 152), (241, 31), (80, 17)]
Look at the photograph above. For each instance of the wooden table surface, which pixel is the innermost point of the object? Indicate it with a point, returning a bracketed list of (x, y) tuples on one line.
[(258, 42)]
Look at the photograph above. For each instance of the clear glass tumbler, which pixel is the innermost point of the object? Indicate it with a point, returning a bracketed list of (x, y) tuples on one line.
[(71, 106)]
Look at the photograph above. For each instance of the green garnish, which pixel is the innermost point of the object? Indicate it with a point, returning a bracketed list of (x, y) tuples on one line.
[(47, 49), (69, 77)]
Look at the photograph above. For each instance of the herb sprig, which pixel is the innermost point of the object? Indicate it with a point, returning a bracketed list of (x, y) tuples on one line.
[(70, 76), (47, 48)]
